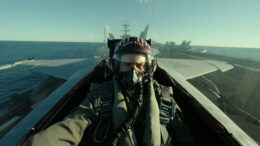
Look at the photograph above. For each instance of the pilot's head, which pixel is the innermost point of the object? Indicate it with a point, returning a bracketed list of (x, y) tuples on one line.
[(132, 57)]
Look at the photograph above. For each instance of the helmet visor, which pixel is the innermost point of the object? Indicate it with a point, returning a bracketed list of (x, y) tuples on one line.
[(140, 62)]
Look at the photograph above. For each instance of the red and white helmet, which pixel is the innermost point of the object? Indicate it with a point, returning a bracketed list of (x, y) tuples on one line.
[(133, 45)]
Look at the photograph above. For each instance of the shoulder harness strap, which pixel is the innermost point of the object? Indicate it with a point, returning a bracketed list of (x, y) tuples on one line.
[(167, 111), (167, 105)]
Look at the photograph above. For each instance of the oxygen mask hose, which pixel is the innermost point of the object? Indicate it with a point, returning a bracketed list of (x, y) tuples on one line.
[(129, 122)]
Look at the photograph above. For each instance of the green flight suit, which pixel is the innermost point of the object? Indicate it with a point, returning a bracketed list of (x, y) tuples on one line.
[(75, 128)]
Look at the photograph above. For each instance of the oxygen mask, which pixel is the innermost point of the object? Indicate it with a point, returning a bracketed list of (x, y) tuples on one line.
[(131, 79)]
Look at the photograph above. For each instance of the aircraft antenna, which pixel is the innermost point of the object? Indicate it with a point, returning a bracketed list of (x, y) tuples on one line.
[(125, 30), (105, 37)]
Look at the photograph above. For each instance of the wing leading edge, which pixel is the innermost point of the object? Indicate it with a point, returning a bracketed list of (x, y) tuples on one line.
[(191, 68)]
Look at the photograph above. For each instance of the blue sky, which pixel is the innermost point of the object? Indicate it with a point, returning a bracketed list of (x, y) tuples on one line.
[(204, 22)]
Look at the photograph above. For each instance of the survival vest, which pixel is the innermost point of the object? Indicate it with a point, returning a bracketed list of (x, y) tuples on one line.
[(102, 104)]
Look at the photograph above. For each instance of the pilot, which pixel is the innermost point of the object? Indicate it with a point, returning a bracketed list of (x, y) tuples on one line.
[(131, 108)]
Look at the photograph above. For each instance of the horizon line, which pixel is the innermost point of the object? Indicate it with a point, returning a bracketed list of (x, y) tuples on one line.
[(103, 42)]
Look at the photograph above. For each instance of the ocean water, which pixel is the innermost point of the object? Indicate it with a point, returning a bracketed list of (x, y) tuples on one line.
[(244, 53), (16, 79)]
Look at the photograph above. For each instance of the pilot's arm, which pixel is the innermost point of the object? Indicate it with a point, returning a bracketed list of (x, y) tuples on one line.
[(68, 132)]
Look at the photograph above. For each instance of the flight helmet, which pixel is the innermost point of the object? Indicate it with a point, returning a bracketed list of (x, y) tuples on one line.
[(133, 45)]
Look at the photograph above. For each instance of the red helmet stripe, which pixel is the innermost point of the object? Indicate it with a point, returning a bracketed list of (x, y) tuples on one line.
[(133, 43)]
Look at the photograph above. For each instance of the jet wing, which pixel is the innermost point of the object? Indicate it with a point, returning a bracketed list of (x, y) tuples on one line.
[(61, 68), (191, 68)]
